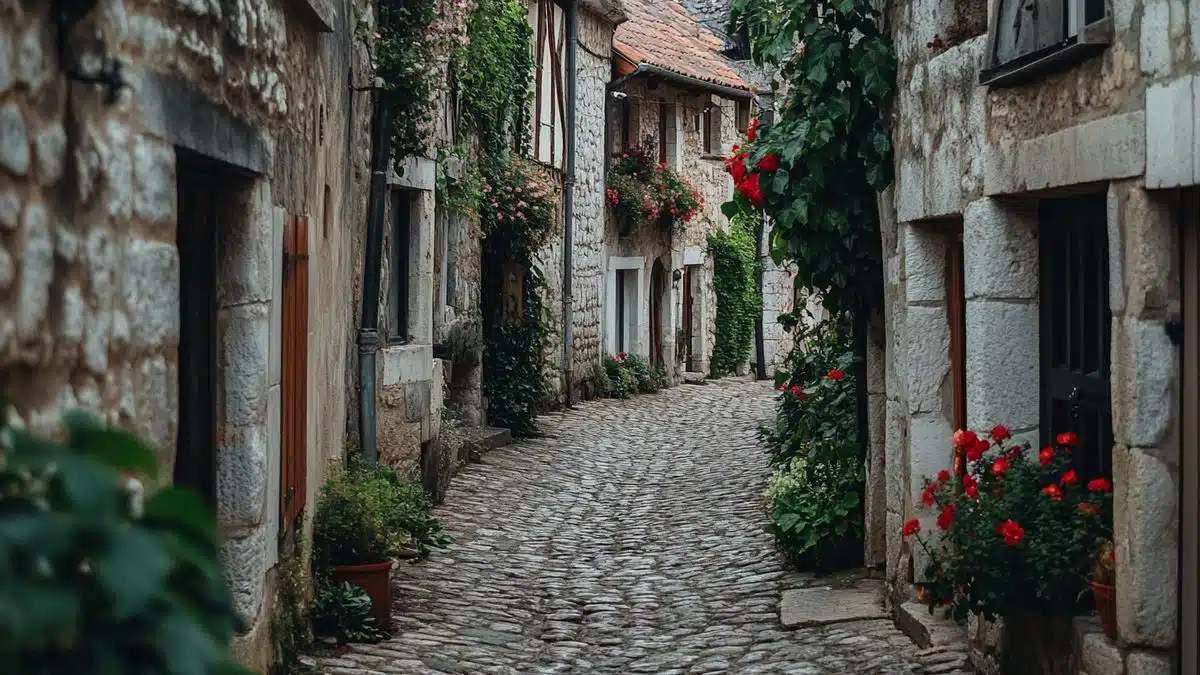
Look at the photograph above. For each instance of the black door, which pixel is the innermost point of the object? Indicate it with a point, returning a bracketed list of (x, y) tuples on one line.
[(1075, 327), (196, 237)]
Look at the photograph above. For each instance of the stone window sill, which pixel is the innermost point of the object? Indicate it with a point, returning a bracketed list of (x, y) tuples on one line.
[(1093, 39)]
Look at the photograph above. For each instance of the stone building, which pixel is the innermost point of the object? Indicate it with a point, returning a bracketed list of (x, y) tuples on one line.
[(673, 88), (181, 207), (1040, 246)]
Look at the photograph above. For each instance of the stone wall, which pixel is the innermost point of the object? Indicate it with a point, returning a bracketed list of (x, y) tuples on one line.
[(89, 268), (979, 159)]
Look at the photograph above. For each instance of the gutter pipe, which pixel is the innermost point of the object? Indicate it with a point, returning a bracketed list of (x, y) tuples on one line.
[(368, 331), (682, 80), (569, 204)]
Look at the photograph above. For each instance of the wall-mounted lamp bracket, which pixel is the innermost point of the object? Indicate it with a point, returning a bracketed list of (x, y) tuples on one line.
[(109, 74)]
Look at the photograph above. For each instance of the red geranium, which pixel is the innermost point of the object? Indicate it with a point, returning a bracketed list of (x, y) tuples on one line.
[(1099, 485), (769, 163), (1070, 477), (927, 495), (1053, 492), (1000, 466), (972, 492), (1011, 531), (799, 392), (751, 191), (975, 452), (946, 517), (1068, 438), (1000, 433), (964, 438), (835, 374), (943, 476), (1046, 456), (912, 527), (752, 132)]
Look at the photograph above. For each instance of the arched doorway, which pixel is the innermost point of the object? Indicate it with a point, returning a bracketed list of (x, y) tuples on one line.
[(658, 291)]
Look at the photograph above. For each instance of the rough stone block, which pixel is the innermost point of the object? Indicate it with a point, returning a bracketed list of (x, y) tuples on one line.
[(1002, 364), (244, 269), (14, 140), (805, 607), (895, 544), (930, 451), (1155, 46), (242, 470), (244, 562), (405, 363), (1118, 192), (1000, 250), (244, 355), (1099, 656), (1150, 252), (417, 398), (150, 287), (924, 265), (275, 368), (928, 361), (1144, 372), (1170, 130), (274, 432), (37, 271), (1148, 663), (51, 149), (8, 271), (10, 208), (896, 448), (154, 180), (1146, 531)]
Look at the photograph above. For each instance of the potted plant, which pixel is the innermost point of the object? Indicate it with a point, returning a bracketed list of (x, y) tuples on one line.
[(1017, 542), (366, 518), (1104, 587)]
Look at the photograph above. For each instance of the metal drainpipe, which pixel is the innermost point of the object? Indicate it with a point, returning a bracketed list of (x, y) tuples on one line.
[(569, 203), (760, 348), (368, 331)]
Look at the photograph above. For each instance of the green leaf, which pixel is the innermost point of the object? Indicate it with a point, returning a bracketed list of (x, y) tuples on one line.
[(787, 521), (120, 450), (132, 568), (183, 511)]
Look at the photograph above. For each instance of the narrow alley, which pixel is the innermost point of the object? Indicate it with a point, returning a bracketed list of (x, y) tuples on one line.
[(628, 539)]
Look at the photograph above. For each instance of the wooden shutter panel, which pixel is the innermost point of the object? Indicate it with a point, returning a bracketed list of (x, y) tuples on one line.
[(293, 474)]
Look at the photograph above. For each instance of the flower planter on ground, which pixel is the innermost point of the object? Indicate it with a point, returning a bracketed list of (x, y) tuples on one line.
[(376, 581)]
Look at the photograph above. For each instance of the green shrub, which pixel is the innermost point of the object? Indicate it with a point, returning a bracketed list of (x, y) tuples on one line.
[(735, 272), (92, 580), (641, 374), (366, 517), (622, 383), (342, 611), (658, 378)]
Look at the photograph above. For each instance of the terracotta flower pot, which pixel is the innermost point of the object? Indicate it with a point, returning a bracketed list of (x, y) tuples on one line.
[(376, 580), (1106, 607)]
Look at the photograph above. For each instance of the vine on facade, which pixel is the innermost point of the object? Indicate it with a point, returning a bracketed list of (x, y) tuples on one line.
[(735, 270), (404, 49), (817, 169)]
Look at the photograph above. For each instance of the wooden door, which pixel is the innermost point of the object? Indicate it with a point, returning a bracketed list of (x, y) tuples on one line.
[(657, 291), (1075, 327), (293, 474), (1189, 613), (196, 236)]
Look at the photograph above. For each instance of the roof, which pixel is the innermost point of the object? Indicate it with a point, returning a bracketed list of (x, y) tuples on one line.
[(663, 34)]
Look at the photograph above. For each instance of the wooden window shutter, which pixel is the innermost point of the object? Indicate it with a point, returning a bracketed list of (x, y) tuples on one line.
[(293, 466)]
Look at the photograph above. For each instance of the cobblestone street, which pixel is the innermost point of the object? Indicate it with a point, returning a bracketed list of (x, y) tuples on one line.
[(628, 539)]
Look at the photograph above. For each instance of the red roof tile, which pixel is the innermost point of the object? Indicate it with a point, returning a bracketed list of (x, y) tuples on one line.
[(662, 33)]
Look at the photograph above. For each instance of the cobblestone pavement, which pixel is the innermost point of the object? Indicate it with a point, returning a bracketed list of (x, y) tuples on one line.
[(628, 539)]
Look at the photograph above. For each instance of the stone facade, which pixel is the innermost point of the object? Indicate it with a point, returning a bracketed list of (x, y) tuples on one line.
[(977, 162), (91, 279)]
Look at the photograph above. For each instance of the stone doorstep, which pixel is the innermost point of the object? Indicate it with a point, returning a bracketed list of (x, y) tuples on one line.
[(487, 439), (807, 607), (694, 378), (928, 630)]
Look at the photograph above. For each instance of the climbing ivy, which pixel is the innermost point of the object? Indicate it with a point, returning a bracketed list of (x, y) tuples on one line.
[(494, 72), (738, 300), (816, 170), (403, 51)]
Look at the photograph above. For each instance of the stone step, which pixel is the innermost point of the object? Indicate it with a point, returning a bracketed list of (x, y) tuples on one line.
[(485, 439)]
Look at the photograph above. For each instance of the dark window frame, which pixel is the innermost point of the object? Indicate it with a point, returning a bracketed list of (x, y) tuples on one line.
[(399, 263)]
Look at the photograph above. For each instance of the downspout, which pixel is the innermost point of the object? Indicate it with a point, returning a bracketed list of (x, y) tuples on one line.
[(368, 331), (760, 348), (569, 204)]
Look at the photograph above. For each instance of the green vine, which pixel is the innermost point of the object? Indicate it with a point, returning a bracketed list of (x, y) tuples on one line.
[(738, 301), (816, 170), (494, 72), (404, 52)]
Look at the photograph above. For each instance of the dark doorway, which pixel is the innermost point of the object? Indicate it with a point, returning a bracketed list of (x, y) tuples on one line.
[(658, 290), (1075, 327), (621, 310), (689, 313), (199, 194)]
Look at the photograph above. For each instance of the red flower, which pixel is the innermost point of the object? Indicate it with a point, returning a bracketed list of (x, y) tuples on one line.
[(737, 169), (799, 392), (1053, 492), (835, 374), (752, 132), (750, 190), (927, 495), (1089, 509), (912, 527), (1046, 456), (1000, 466), (1068, 438), (975, 452), (1011, 531), (1070, 477), (783, 387), (972, 492), (999, 433), (964, 439), (946, 517), (969, 481), (1099, 485), (769, 163), (943, 476)]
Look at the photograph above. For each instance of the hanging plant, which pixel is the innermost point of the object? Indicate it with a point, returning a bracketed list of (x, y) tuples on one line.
[(642, 193)]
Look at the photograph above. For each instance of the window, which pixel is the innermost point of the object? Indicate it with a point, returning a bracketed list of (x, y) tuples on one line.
[(398, 262), (546, 19), (622, 284), (667, 134), (624, 133), (743, 116), (711, 129), (1075, 324), (1030, 36)]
